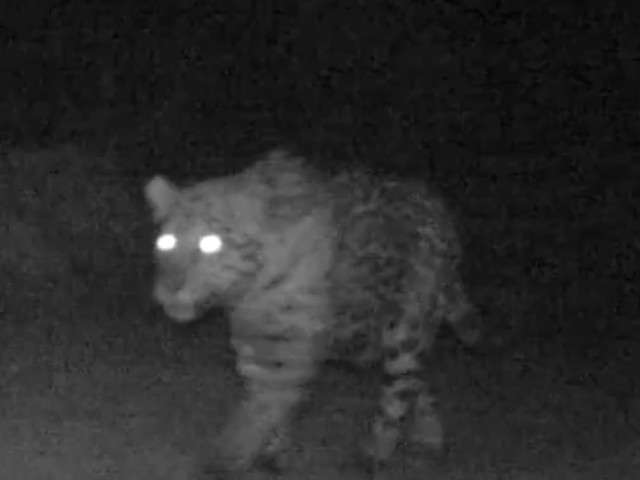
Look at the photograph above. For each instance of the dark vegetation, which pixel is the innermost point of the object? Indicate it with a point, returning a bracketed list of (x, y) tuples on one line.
[(524, 113)]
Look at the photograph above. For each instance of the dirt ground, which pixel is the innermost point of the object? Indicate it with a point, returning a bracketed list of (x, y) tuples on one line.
[(96, 384)]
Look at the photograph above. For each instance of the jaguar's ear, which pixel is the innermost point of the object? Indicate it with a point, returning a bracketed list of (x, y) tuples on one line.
[(161, 195)]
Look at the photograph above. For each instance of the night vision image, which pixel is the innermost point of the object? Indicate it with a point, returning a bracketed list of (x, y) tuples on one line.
[(320, 240)]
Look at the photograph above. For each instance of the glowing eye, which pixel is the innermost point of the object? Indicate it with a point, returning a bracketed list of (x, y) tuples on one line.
[(210, 244), (166, 242)]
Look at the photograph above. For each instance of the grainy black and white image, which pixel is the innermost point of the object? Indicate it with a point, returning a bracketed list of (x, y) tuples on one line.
[(319, 240)]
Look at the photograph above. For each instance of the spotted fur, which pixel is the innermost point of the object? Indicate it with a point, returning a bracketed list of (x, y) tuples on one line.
[(314, 267)]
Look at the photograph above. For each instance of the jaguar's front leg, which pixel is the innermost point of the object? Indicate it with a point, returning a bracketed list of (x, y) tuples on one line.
[(276, 372), (257, 433)]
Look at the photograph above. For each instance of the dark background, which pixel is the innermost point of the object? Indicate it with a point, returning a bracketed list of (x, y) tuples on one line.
[(430, 78), (525, 114)]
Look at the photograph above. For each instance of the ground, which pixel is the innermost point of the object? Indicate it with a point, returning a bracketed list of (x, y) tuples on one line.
[(144, 409), (95, 383)]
